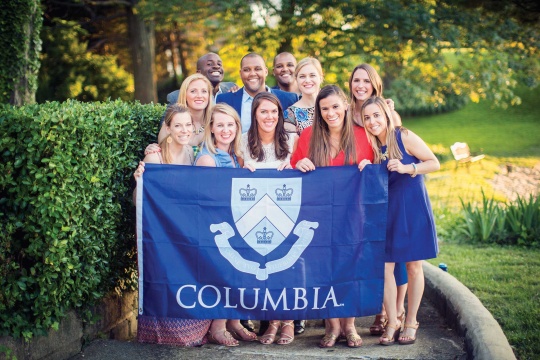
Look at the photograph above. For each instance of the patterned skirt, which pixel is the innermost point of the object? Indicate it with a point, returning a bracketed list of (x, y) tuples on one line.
[(172, 331)]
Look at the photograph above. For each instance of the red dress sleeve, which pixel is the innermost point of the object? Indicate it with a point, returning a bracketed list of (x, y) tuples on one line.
[(302, 149), (363, 147)]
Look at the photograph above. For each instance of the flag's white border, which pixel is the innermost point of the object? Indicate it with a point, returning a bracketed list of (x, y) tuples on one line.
[(139, 206)]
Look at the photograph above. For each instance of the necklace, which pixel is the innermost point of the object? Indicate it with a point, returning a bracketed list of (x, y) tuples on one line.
[(198, 131), (383, 155)]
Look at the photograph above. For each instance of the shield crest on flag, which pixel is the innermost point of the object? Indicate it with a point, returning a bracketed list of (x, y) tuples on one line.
[(265, 210)]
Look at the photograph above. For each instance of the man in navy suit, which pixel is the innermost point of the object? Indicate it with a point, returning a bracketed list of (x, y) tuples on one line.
[(253, 73)]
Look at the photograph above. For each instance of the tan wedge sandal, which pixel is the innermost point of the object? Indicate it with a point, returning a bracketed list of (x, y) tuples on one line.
[(391, 334), (405, 334)]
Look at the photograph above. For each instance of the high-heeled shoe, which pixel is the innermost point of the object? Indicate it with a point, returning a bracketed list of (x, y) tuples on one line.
[(377, 328), (391, 334), (353, 339), (268, 339), (401, 319), (328, 341), (286, 339), (229, 340), (248, 335), (412, 339)]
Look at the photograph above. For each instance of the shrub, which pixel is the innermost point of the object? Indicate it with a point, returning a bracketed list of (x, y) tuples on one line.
[(67, 222), (516, 223)]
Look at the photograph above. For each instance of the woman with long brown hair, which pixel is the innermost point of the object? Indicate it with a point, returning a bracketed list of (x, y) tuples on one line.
[(333, 140)]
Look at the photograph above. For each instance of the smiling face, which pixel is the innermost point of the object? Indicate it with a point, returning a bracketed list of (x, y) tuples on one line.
[(253, 72), (362, 88), (309, 80), (211, 66), (224, 130), (267, 115), (375, 121), (181, 128), (197, 95), (333, 111), (284, 66)]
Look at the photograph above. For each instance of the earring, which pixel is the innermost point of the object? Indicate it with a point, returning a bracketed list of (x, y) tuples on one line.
[(169, 140)]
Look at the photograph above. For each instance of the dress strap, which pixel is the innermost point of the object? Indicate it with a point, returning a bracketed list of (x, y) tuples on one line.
[(160, 158)]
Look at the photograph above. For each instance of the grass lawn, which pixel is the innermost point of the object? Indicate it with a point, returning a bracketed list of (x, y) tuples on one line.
[(511, 132), (505, 279)]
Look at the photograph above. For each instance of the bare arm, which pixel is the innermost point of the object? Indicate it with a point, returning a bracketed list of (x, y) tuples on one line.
[(205, 160), (415, 146), (148, 159), (162, 133)]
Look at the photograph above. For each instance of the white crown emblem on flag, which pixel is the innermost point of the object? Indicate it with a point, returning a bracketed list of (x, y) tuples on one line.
[(265, 212)]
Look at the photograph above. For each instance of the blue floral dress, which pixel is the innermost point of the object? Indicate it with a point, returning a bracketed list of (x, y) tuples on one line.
[(300, 117)]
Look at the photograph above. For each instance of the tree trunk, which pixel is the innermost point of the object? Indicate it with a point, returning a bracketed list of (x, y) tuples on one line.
[(286, 14), (25, 82), (143, 53)]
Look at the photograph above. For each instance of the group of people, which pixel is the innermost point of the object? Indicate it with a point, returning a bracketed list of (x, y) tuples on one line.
[(301, 125)]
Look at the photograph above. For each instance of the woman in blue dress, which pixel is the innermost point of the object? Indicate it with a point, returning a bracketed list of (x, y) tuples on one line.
[(364, 83), (410, 235), (221, 148)]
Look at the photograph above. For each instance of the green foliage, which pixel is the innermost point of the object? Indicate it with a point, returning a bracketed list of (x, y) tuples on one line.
[(498, 132), (20, 24), (517, 223), (480, 221), (68, 71), (65, 203), (409, 44), (505, 279), (8, 353)]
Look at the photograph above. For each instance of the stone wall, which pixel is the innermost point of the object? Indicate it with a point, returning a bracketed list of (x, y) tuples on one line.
[(117, 319)]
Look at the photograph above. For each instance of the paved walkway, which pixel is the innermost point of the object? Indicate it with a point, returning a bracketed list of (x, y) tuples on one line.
[(453, 325), (435, 341)]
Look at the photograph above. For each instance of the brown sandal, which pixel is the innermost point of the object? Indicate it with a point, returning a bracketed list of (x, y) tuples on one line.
[(411, 338), (389, 337), (377, 328)]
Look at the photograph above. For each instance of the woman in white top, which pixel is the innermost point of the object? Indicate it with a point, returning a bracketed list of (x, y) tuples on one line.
[(267, 145)]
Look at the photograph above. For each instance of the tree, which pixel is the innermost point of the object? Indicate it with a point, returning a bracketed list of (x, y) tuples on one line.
[(69, 71), (20, 23), (431, 54)]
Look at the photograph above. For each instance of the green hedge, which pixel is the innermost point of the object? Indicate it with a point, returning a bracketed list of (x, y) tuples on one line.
[(66, 219)]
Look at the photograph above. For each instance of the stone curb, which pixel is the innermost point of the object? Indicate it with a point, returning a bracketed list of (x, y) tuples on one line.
[(484, 338)]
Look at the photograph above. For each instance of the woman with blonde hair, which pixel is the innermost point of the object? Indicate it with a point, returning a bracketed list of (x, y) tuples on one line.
[(221, 148), (175, 150), (309, 77), (222, 136), (410, 232), (196, 95)]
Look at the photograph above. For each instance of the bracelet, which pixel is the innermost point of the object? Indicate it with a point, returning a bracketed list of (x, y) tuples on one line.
[(415, 172)]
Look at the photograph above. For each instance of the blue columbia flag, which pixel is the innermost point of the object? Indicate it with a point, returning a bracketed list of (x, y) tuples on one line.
[(216, 243)]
